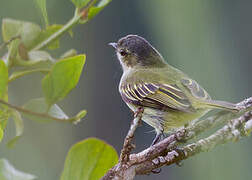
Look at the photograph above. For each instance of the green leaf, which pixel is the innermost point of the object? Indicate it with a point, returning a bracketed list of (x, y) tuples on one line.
[(3, 79), (77, 118), (62, 78), (26, 30), (81, 114), (93, 11), (89, 160), (1, 133), (4, 116), (19, 127), (42, 6), (8, 172), (39, 105), (80, 3)]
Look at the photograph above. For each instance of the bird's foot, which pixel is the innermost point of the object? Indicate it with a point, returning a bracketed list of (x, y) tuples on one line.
[(180, 135), (156, 171), (157, 163), (157, 138)]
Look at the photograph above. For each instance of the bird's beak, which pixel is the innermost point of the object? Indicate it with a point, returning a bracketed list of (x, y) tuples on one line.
[(113, 44)]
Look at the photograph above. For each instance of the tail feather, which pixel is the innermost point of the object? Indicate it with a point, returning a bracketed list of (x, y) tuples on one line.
[(215, 104)]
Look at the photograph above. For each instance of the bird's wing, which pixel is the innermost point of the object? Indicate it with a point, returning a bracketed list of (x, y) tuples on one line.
[(154, 95), (195, 89), (204, 98)]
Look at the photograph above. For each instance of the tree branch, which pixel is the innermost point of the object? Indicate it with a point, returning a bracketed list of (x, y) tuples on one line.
[(166, 152), (128, 146)]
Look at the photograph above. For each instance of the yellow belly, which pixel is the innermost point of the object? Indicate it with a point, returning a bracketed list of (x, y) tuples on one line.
[(166, 121)]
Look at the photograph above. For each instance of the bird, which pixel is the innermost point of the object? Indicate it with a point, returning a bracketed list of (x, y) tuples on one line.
[(170, 99)]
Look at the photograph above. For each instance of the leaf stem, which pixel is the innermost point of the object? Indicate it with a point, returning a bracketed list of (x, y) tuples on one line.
[(23, 73), (78, 15), (60, 32), (42, 115)]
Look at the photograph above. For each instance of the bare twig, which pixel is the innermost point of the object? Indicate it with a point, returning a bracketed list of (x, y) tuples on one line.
[(122, 166), (128, 146), (165, 152)]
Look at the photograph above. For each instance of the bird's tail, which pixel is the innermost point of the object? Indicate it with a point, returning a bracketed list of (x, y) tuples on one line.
[(214, 104)]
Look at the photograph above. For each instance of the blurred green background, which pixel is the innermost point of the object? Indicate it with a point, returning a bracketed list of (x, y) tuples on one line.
[(209, 40)]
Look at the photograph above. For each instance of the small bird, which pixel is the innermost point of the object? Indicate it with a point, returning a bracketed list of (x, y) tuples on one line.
[(169, 98)]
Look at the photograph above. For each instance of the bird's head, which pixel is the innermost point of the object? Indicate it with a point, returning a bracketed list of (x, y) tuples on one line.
[(134, 51)]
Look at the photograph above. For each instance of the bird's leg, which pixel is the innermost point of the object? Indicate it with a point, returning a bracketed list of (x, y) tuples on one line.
[(157, 137), (156, 162), (155, 140), (139, 111)]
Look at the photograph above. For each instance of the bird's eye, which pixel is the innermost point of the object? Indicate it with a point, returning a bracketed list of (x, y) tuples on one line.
[(123, 52)]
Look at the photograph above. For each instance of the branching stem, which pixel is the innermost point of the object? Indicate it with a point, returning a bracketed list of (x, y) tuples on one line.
[(23, 73), (78, 15), (236, 125), (41, 115)]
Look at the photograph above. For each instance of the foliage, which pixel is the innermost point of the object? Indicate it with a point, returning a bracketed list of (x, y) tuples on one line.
[(89, 159), (27, 46), (62, 78), (3, 79)]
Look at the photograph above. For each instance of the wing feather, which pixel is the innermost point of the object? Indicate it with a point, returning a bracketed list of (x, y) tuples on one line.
[(160, 96), (195, 89)]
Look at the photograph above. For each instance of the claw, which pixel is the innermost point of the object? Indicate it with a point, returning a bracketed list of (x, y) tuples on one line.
[(156, 171), (180, 138), (157, 138)]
